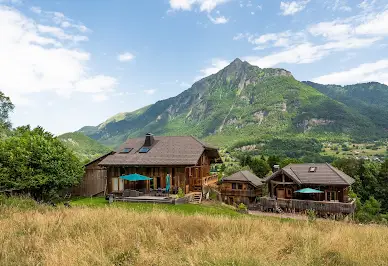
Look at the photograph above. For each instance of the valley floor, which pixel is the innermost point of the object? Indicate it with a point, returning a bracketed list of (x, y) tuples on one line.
[(93, 233)]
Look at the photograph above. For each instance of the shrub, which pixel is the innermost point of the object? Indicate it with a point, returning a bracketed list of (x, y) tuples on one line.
[(180, 193), (311, 215)]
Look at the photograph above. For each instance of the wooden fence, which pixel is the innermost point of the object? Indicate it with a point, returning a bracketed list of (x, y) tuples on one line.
[(266, 203)]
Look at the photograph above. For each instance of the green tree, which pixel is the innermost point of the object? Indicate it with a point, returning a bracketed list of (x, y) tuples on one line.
[(6, 107), (245, 160), (288, 161), (273, 160), (260, 167), (234, 168), (38, 162)]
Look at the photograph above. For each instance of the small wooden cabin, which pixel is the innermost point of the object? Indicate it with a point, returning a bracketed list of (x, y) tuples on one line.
[(185, 159), (241, 187), (94, 179), (333, 184)]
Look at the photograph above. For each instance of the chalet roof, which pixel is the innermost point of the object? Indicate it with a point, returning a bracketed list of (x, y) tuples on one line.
[(244, 176), (100, 158), (165, 151), (324, 174)]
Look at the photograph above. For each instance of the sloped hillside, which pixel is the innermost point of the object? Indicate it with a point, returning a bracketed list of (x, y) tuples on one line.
[(242, 102), (85, 148)]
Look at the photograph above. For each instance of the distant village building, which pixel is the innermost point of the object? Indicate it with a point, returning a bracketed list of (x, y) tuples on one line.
[(185, 159), (241, 187)]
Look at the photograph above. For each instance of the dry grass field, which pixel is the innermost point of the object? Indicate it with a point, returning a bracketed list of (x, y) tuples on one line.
[(120, 236)]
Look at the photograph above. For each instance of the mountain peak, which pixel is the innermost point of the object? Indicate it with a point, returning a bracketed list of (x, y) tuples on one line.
[(237, 61), (236, 65)]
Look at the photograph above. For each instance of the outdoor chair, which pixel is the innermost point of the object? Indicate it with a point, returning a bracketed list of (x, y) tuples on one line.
[(126, 193), (134, 193)]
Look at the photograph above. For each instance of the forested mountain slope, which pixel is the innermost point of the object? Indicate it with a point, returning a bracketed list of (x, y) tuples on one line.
[(242, 102)]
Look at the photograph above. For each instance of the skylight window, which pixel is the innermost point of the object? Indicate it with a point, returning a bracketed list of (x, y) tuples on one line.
[(126, 150), (312, 169), (144, 150)]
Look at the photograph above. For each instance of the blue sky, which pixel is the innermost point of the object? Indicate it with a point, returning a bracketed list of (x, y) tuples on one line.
[(66, 64)]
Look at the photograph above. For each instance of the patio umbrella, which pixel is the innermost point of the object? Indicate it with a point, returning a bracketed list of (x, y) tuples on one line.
[(135, 177), (168, 182), (308, 191)]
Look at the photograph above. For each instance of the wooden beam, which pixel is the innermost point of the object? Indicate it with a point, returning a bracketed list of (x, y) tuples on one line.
[(282, 183)]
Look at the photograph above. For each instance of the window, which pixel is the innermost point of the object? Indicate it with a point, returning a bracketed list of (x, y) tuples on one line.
[(239, 186), (144, 150), (312, 169), (117, 184), (331, 195), (126, 150), (234, 185)]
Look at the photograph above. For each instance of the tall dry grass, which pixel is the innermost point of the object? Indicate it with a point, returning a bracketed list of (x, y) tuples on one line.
[(114, 236)]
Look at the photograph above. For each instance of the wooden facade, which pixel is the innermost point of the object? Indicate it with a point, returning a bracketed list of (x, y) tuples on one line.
[(93, 181), (235, 192), (331, 198), (283, 187), (187, 177)]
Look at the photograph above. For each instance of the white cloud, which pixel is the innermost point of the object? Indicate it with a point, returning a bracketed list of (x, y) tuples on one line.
[(355, 32), (291, 8), (95, 84), (99, 98), (377, 71), (60, 34), (331, 30), (281, 39), (308, 52), (65, 22), (204, 5), (150, 91), (378, 25), (367, 4), (36, 9), (218, 20), (341, 5), (125, 57), (32, 62), (239, 36), (216, 65)]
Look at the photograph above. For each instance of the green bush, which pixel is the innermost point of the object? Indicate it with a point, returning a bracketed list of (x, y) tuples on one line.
[(180, 193), (311, 215)]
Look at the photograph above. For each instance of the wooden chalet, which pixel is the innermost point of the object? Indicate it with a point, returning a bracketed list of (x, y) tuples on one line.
[(186, 159), (241, 187), (332, 184)]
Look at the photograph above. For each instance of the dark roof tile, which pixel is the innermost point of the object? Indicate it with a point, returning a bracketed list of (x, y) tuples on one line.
[(166, 150)]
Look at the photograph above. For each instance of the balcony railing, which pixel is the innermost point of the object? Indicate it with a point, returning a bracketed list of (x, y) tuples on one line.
[(239, 192), (301, 205)]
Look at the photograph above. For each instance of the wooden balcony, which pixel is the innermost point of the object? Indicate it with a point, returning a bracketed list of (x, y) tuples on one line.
[(302, 205), (239, 192)]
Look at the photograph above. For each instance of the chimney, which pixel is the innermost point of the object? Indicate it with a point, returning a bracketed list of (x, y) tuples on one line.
[(149, 140), (276, 167)]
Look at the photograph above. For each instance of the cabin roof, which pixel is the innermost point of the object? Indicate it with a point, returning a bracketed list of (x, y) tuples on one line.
[(244, 176), (323, 174), (100, 158), (164, 151)]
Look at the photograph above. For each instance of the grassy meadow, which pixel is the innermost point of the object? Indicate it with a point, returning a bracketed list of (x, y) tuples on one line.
[(97, 234)]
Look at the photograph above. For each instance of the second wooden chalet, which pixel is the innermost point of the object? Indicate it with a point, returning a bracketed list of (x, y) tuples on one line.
[(317, 186)]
